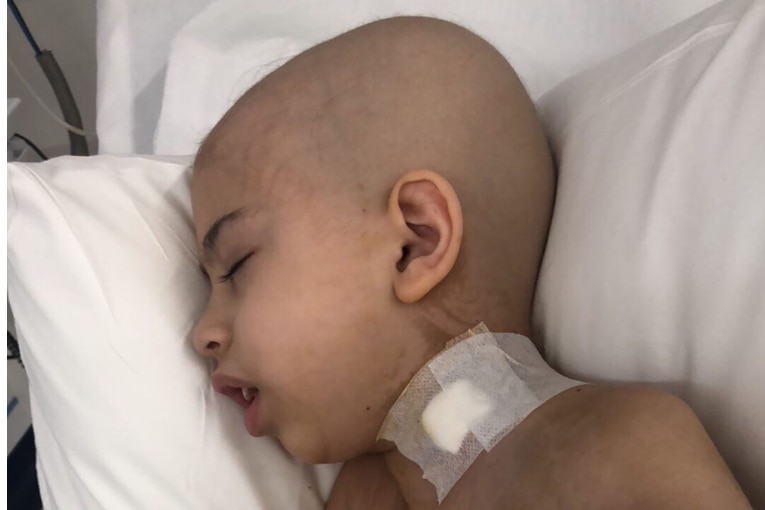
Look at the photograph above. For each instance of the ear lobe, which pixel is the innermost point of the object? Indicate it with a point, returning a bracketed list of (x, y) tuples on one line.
[(427, 212)]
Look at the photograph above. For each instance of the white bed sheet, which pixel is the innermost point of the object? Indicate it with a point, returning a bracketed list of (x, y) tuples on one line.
[(217, 55)]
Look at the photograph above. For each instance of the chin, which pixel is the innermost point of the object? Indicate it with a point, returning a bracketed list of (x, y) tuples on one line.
[(305, 451)]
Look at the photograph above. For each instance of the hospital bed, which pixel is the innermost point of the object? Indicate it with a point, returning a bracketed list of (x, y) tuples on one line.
[(654, 270)]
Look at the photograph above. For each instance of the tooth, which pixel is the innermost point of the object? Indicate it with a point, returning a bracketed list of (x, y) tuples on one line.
[(248, 394)]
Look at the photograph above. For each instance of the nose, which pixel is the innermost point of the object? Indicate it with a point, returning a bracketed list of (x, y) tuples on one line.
[(211, 337)]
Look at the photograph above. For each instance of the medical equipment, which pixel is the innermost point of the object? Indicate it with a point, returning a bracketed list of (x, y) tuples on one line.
[(72, 119)]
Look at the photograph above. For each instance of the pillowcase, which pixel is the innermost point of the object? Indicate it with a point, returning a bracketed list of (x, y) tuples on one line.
[(655, 263), (105, 289)]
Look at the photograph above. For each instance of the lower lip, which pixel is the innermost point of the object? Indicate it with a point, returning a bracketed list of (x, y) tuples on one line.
[(252, 416)]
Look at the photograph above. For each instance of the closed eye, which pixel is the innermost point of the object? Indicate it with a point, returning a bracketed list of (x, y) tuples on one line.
[(232, 271)]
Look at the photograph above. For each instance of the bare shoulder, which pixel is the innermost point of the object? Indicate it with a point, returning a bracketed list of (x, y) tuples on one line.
[(365, 483), (597, 447), (651, 420), (650, 450)]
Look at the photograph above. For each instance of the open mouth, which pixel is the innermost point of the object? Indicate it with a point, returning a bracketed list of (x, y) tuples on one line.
[(237, 390), (242, 396), (248, 397)]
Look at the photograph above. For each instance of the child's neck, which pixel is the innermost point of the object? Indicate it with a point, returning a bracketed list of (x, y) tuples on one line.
[(505, 380)]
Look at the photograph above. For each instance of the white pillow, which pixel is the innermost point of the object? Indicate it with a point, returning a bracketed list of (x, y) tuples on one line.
[(231, 44), (105, 288), (655, 264)]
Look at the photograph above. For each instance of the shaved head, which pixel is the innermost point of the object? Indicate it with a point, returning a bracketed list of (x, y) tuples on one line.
[(348, 117)]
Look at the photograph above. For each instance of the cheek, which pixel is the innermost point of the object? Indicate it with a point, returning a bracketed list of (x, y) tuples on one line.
[(315, 324), (300, 313), (319, 286)]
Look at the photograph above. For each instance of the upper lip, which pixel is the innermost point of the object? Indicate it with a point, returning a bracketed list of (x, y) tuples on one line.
[(225, 383)]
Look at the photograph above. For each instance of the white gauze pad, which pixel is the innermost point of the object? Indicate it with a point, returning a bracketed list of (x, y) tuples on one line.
[(466, 400)]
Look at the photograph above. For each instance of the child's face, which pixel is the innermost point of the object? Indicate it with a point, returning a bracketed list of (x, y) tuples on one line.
[(301, 308)]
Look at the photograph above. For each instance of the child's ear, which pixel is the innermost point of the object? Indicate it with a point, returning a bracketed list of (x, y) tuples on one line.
[(426, 211)]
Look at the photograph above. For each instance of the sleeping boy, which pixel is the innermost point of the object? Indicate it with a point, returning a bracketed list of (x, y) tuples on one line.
[(372, 216)]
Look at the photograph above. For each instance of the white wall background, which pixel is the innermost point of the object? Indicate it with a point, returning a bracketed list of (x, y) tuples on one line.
[(68, 29)]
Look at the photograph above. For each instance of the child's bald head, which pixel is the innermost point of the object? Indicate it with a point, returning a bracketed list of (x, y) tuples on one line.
[(350, 116), (411, 157)]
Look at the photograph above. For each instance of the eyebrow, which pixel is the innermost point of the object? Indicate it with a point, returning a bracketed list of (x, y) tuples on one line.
[(213, 233)]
